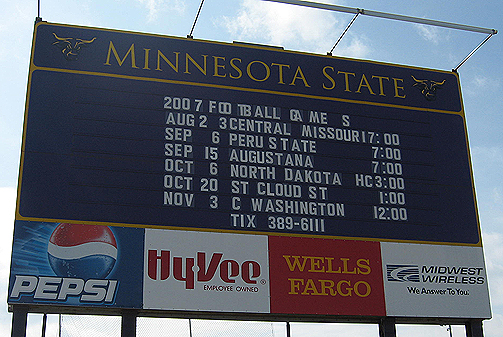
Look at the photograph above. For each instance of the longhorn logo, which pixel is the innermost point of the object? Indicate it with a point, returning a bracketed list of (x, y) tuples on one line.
[(70, 47), (428, 88)]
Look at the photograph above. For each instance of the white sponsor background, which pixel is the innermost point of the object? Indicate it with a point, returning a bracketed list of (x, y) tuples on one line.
[(435, 292), (171, 294)]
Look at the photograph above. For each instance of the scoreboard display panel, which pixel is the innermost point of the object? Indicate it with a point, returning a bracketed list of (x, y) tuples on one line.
[(203, 179), (150, 131)]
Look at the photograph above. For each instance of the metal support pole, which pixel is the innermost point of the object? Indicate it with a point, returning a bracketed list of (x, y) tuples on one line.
[(473, 52), (288, 329), (44, 324), (128, 326), (387, 327), (474, 328), (343, 33), (19, 320), (195, 20)]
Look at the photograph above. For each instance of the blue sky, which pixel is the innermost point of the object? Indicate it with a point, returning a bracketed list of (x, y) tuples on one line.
[(299, 29)]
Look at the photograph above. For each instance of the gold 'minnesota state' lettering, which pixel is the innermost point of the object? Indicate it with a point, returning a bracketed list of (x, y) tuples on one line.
[(256, 70), (364, 83), (233, 67)]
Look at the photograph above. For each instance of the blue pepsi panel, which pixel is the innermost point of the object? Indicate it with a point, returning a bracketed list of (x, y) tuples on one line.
[(145, 130), (76, 265)]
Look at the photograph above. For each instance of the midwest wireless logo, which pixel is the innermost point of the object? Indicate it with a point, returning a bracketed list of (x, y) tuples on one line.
[(162, 264), (435, 274)]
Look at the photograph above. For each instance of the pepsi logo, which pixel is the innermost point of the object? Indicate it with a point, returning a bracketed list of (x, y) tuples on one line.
[(82, 251)]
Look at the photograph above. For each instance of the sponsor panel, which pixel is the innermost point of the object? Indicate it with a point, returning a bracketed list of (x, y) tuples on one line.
[(435, 281), (205, 271), (75, 264), (324, 276)]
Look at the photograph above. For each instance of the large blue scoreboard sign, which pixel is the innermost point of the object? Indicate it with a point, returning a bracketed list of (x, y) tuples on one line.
[(151, 131)]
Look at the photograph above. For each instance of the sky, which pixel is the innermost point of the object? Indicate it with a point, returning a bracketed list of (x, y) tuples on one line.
[(298, 29)]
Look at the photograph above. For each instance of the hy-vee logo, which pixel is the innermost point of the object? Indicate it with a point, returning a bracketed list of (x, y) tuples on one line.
[(182, 268)]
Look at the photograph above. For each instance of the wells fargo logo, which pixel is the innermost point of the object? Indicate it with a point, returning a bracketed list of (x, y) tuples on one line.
[(344, 285), (229, 270)]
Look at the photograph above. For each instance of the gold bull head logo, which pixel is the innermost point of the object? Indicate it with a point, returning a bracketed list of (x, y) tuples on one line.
[(428, 88), (70, 47)]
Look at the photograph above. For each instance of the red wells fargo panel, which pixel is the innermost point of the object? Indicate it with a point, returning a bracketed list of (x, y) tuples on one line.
[(325, 276)]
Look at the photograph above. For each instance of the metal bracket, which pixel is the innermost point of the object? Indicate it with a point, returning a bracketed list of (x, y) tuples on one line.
[(474, 50), (195, 20), (344, 33)]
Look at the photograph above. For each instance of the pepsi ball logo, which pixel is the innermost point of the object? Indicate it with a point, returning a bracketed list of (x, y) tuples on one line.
[(82, 251)]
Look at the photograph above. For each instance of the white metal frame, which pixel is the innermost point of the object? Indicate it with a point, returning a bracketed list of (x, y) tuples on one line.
[(360, 11), (384, 15)]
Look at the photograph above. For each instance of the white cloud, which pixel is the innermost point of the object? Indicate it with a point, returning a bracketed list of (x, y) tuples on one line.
[(324, 329), (411, 330), (493, 250), (492, 155), (479, 83), (156, 7), (494, 326), (486, 162), (7, 207), (292, 27), (15, 49), (484, 82), (430, 33), (358, 48), (7, 212)]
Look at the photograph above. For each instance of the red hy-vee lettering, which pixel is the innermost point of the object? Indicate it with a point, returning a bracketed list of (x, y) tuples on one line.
[(229, 270)]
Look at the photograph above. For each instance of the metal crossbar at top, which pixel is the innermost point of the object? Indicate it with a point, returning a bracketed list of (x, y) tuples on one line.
[(359, 11), (384, 15)]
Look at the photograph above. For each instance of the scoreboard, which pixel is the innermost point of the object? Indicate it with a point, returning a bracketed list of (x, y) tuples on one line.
[(147, 131), (202, 179)]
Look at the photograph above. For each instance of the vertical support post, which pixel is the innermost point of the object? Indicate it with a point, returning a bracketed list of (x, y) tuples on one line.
[(44, 324), (387, 327), (474, 328), (288, 329), (19, 320), (128, 326)]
